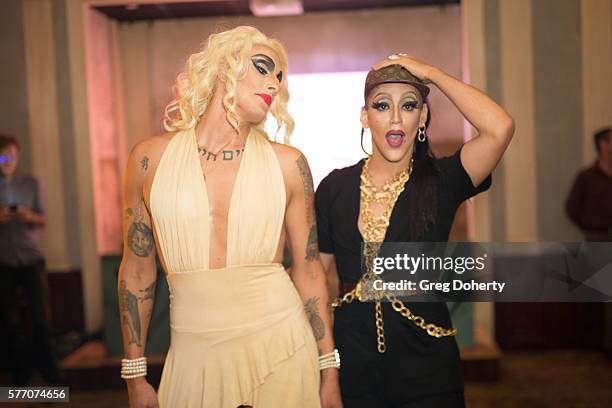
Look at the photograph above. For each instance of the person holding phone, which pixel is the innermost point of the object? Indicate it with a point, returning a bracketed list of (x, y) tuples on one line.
[(22, 266)]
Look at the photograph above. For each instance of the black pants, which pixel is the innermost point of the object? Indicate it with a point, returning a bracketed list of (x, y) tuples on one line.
[(416, 371), (447, 400), (26, 352)]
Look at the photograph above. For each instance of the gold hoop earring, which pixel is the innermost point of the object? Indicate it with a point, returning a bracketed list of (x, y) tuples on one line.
[(421, 136)]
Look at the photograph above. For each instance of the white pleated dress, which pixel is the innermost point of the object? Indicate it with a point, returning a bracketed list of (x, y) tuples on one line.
[(239, 335)]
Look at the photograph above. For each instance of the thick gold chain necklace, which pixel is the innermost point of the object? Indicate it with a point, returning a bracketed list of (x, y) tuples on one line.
[(375, 226), (374, 231)]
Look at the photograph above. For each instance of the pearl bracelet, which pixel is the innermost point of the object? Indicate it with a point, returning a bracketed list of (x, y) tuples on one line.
[(133, 368), (127, 377), (329, 360)]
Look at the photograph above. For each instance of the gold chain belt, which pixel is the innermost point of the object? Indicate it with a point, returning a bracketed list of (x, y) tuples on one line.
[(398, 306)]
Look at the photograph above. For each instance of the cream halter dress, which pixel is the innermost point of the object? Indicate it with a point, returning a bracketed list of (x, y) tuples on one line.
[(239, 335)]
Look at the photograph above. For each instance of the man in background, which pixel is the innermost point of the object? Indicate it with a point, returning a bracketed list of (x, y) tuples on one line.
[(589, 204), (21, 267)]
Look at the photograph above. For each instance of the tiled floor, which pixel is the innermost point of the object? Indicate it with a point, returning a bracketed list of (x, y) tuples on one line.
[(556, 379)]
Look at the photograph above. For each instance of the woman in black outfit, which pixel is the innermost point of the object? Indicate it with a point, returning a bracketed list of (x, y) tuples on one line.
[(387, 359)]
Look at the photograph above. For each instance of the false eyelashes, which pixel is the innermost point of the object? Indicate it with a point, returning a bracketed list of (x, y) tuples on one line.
[(265, 65), (261, 69), (384, 105), (380, 105), (411, 105)]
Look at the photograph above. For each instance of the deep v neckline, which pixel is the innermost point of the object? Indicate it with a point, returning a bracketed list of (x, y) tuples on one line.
[(204, 187)]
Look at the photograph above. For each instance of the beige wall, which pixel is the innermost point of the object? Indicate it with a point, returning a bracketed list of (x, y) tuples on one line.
[(548, 62), (13, 82), (44, 125), (517, 97), (596, 47)]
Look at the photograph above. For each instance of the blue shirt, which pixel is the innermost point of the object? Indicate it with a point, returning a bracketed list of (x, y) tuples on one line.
[(20, 242)]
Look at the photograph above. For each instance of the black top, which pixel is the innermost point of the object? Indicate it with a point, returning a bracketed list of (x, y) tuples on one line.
[(415, 364), (337, 208)]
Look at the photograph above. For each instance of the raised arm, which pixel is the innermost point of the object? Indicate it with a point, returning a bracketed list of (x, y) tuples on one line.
[(307, 272), (495, 127), (137, 273)]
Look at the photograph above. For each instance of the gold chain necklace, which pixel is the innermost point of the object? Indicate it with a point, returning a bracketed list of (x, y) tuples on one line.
[(374, 231), (375, 226)]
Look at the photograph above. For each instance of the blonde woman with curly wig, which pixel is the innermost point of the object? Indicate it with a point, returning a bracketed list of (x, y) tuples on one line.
[(217, 201)]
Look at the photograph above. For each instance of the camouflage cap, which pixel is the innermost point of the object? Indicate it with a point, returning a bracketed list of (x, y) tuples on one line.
[(393, 74)]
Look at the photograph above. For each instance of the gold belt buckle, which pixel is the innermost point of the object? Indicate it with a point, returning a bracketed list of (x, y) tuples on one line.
[(358, 292), (365, 292)]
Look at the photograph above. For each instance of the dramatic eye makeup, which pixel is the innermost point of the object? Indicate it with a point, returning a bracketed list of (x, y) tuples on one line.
[(380, 101), (380, 105), (408, 102), (265, 65), (410, 105)]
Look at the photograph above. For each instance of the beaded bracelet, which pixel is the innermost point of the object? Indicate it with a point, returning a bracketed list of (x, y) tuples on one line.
[(133, 368), (329, 360)]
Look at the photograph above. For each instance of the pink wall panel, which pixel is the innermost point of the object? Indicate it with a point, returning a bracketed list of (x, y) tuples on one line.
[(103, 134)]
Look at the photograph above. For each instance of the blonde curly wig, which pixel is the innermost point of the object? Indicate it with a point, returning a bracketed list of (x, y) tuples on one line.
[(225, 55)]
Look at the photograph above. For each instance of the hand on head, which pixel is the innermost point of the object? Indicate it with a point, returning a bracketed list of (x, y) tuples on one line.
[(416, 67)]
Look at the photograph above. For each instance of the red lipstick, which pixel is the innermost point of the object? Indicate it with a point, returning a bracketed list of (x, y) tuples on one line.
[(267, 98), (395, 138)]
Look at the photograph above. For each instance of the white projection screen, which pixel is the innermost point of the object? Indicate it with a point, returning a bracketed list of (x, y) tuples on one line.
[(326, 108)]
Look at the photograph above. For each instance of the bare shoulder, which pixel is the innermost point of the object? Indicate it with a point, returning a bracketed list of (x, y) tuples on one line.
[(143, 161), (289, 157), (295, 168), (146, 154), (152, 147)]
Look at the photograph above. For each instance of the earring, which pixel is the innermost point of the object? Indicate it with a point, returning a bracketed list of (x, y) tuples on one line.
[(421, 134), (362, 148)]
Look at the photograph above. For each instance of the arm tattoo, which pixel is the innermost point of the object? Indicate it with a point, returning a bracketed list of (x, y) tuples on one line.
[(308, 185), (149, 292), (312, 311), (144, 163), (312, 246), (128, 304), (140, 235)]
